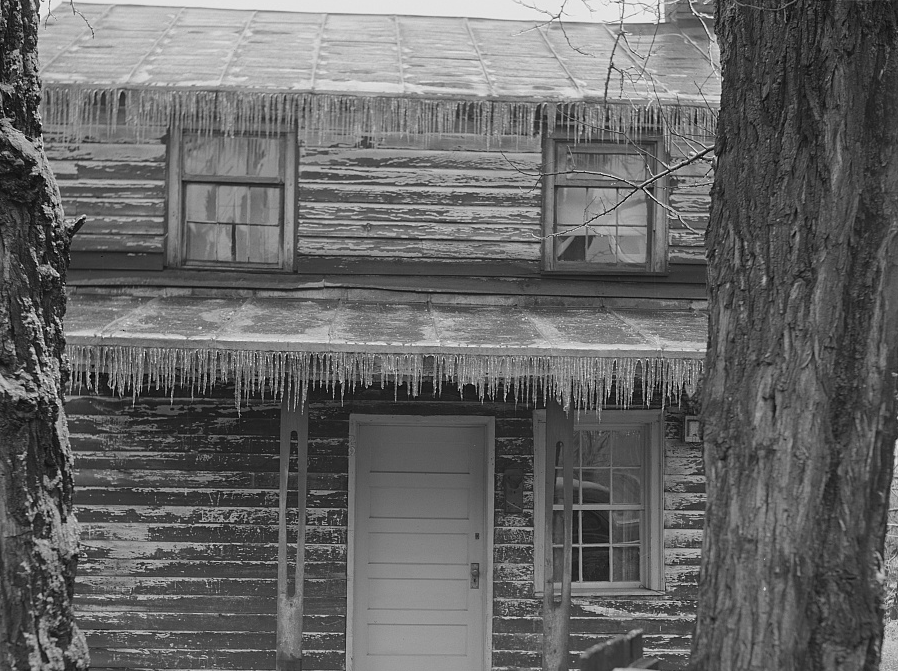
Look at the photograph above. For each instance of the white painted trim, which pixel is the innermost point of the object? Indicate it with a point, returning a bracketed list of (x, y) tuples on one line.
[(488, 423), (654, 549), (489, 529), (350, 542)]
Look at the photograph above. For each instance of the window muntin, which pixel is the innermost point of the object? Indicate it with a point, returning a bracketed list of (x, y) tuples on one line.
[(609, 507), (596, 219), (233, 193)]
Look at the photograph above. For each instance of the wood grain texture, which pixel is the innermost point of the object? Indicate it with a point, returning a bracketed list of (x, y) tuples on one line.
[(451, 199), (178, 501), (180, 534)]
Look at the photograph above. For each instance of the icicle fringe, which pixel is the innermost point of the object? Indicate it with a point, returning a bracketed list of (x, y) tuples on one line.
[(77, 110), (580, 383)]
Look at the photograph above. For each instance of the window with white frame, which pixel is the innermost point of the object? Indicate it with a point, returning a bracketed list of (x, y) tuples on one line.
[(603, 213), (231, 200), (616, 515)]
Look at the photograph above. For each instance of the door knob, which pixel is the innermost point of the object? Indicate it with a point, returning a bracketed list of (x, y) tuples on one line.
[(475, 576)]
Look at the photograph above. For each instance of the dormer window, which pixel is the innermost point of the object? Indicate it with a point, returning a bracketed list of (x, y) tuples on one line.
[(597, 218), (231, 201)]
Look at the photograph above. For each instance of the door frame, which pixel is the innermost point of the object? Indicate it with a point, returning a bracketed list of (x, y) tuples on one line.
[(488, 424)]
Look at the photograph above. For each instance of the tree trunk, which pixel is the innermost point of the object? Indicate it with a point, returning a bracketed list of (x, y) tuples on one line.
[(38, 534), (799, 394)]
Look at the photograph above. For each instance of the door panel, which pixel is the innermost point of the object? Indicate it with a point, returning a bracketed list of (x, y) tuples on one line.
[(419, 525)]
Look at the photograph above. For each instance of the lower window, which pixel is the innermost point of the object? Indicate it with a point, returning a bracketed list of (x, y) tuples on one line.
[(616, 515)]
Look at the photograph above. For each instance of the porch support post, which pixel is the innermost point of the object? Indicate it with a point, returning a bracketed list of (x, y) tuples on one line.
[(556, 615), (294, 447)]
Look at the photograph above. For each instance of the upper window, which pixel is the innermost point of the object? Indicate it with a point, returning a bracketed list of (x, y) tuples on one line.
[(615, 522), (598, 216), (231, 201)]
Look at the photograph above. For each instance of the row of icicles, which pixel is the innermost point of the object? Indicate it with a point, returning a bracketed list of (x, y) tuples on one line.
[(580, 383), (78, 111)]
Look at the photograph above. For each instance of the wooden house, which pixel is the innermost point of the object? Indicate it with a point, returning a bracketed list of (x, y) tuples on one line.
[(359, 301)]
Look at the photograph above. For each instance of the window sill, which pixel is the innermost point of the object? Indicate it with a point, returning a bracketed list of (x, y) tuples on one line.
[(606, 592)]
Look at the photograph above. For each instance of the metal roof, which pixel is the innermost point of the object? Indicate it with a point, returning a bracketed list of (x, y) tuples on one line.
[(286, 345), (321, 325), (121, 47)]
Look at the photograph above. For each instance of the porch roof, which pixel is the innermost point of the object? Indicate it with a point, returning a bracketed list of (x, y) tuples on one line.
[(288, 343)]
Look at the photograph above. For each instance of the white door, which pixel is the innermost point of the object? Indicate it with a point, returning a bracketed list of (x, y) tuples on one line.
[(419, 529)]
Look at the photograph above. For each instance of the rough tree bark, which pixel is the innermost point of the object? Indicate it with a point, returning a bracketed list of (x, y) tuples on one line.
[(799, 393), (38, 534)]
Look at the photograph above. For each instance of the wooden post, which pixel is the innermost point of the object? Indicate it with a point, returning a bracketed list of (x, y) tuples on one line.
[(294, 443), (556, 616)]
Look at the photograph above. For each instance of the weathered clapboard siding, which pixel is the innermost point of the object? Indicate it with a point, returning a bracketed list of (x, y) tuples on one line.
[(177, 499), (393, 202), (689, 196), (453, 198), (178, 505), (120, 188)]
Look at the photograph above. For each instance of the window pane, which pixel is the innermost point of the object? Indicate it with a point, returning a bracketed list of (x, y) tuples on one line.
[(626, 526), (601, 245), (634, 210), (628, 165), (208, 242), (595, 526), (264, 206), (628, 447), (570, 247), (264, 156), (233, 204), (599, 204), (626, 485), (595, 564), (626, 565), (632, 245), (199, 202), (570, 205), (595, 447), (596, 485), (200, 154), (257, 244)]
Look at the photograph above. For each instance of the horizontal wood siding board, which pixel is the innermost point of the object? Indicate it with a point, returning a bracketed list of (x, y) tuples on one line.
[(111, 152), (110, 188), (183, 659), (240, 461), (173, 621), (420, 196), (123, 226), (107, 207), (525, 177), (419, 159), (71, 169), (457, 214), (416, 249), (177, 568), (172, 442), (427, 231), (129, 261), (119, 244)]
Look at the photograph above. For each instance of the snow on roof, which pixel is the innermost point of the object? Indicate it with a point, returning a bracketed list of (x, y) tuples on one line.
[(169, 60)]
